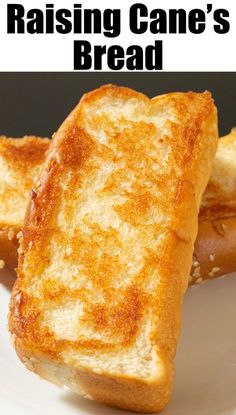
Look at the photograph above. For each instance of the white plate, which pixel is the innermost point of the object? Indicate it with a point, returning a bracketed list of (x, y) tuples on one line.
[(205, 380)]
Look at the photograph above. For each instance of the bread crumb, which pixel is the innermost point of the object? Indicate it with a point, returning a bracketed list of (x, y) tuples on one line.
[(19, 235), (196, 264), (211, 257), (211, 274), (199, 280), (2, 264), (20, 250), (11, 235), (215, 269)]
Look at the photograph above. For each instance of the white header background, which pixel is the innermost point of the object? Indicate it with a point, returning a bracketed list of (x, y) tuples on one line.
[(181, 52)]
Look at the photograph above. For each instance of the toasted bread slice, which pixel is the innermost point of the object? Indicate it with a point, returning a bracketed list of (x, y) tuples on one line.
[(107, 245), (20, 163), (219, 200), (216, 242)]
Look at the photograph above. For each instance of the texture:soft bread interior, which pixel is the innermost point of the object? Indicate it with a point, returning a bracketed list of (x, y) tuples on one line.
[(214, 253), (219, 200), (20, 164), (108, 241), (215, 244)]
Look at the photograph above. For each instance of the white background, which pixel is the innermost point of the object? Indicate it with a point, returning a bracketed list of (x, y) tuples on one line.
[(181, 52)]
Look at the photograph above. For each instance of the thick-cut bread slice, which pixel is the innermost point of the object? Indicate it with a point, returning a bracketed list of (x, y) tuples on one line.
[(216, 241), (107, 245), (215, 246), (20, 163)]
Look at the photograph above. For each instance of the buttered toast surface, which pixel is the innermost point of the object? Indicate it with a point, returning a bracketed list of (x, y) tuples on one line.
[(107, 244), (20, 163), (21, 160), (216, 241)]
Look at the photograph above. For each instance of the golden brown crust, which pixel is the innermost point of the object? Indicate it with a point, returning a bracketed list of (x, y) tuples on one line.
[(219, 200), (22, 160), (73, 150), (24, 153), (154, 293), (119, 391), (216, 242), (213, 248)]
